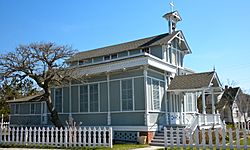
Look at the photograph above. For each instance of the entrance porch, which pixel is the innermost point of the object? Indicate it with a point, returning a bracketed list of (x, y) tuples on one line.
[(191, 101)]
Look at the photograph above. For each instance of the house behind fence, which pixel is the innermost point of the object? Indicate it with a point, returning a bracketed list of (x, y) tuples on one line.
[(68, 137)]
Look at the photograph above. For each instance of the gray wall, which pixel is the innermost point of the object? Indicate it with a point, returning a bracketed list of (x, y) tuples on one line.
[(91, 119), (124, 119)]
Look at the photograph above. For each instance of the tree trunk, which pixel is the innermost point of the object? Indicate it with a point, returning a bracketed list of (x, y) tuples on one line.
[(231, 112), (54, 118)]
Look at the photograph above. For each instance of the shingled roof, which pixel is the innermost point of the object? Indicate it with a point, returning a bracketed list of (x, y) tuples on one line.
[(191, 81), (137, 44), (32, 98)]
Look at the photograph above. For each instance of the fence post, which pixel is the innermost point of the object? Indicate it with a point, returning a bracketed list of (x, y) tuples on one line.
[(13, 135), (178, 137), (56, 136), (84, 137), (99, 136), (165, 137), (223, 138), (171, 138), (110, 137), (48, 134), (184, 138), (104, 137), (74, 139), (210, 138), (43, 136), (245, 139), (197, 143), (61, 136), (237, 139), (230, 138), (66, 137), (21, 136), (203, 139), (30, 132)]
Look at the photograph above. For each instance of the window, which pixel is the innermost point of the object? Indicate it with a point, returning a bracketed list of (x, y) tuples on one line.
[(156, 95), (127, 95), (113, 56), (16, 108), (84, 98), (107, 57), (93, 95), (189, 102), (32, 108), (123, 54), (169, 55), (58, 99), (173, 57), (133, 52), (146, 50), (98, 59), (89, 98)]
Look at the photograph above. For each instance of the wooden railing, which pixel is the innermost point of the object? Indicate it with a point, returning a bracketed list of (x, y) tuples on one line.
[(68, 137)]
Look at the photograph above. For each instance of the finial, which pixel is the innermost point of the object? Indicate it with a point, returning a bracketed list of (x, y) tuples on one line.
[(171, 5), (214, 69)]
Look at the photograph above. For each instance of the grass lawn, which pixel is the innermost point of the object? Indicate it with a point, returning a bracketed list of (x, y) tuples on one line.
[(119, 147), (115, 147)]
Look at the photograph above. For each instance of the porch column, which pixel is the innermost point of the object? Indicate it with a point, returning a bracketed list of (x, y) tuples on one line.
[(146, 115), (108, 90), (70, 107), (166, 98), (213, 107), (203, 102)]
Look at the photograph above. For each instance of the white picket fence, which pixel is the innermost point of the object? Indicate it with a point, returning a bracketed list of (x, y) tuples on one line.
[(68, 137), (4, 125), (243, 125), (217, 138)]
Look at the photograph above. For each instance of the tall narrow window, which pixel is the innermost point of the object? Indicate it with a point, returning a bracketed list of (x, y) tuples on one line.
[(127, 95), (156, 95), (170, 55), (84, 98), (93, 95), (58, 99), (32, 108), (16, 108), (189, 102)]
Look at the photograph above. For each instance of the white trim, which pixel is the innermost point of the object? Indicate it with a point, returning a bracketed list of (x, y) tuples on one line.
[(120, 86), (88, 99), (133, 93), (99, 97), (108, 90), (135, 128), (70, 99), (79, 98), (146, 121)]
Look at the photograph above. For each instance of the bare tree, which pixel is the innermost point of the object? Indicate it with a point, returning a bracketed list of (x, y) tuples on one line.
[(41, 63), (243, 101)]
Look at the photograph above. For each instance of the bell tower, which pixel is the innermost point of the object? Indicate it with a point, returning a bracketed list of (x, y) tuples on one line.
[(172, 17)]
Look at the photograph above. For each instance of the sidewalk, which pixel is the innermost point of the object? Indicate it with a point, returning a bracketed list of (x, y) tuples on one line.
[(149, 148)]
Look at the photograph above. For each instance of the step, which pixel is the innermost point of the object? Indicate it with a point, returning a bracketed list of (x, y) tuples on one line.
[(156, 144)]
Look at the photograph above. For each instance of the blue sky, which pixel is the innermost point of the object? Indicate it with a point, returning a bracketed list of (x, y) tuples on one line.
[(217, 30)]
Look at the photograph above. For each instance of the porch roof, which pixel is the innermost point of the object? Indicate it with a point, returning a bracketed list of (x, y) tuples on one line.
[(194, 81), (32, 98)]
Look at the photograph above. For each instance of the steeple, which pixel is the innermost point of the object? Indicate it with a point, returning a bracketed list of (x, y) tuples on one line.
[(172, 17)]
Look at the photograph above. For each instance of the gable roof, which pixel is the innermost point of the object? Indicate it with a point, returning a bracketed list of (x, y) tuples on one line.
[(137, 44), (192, 81), (232, 92)]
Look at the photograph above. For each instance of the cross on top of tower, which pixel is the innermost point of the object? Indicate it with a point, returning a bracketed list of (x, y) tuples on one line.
[(171, 3)]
